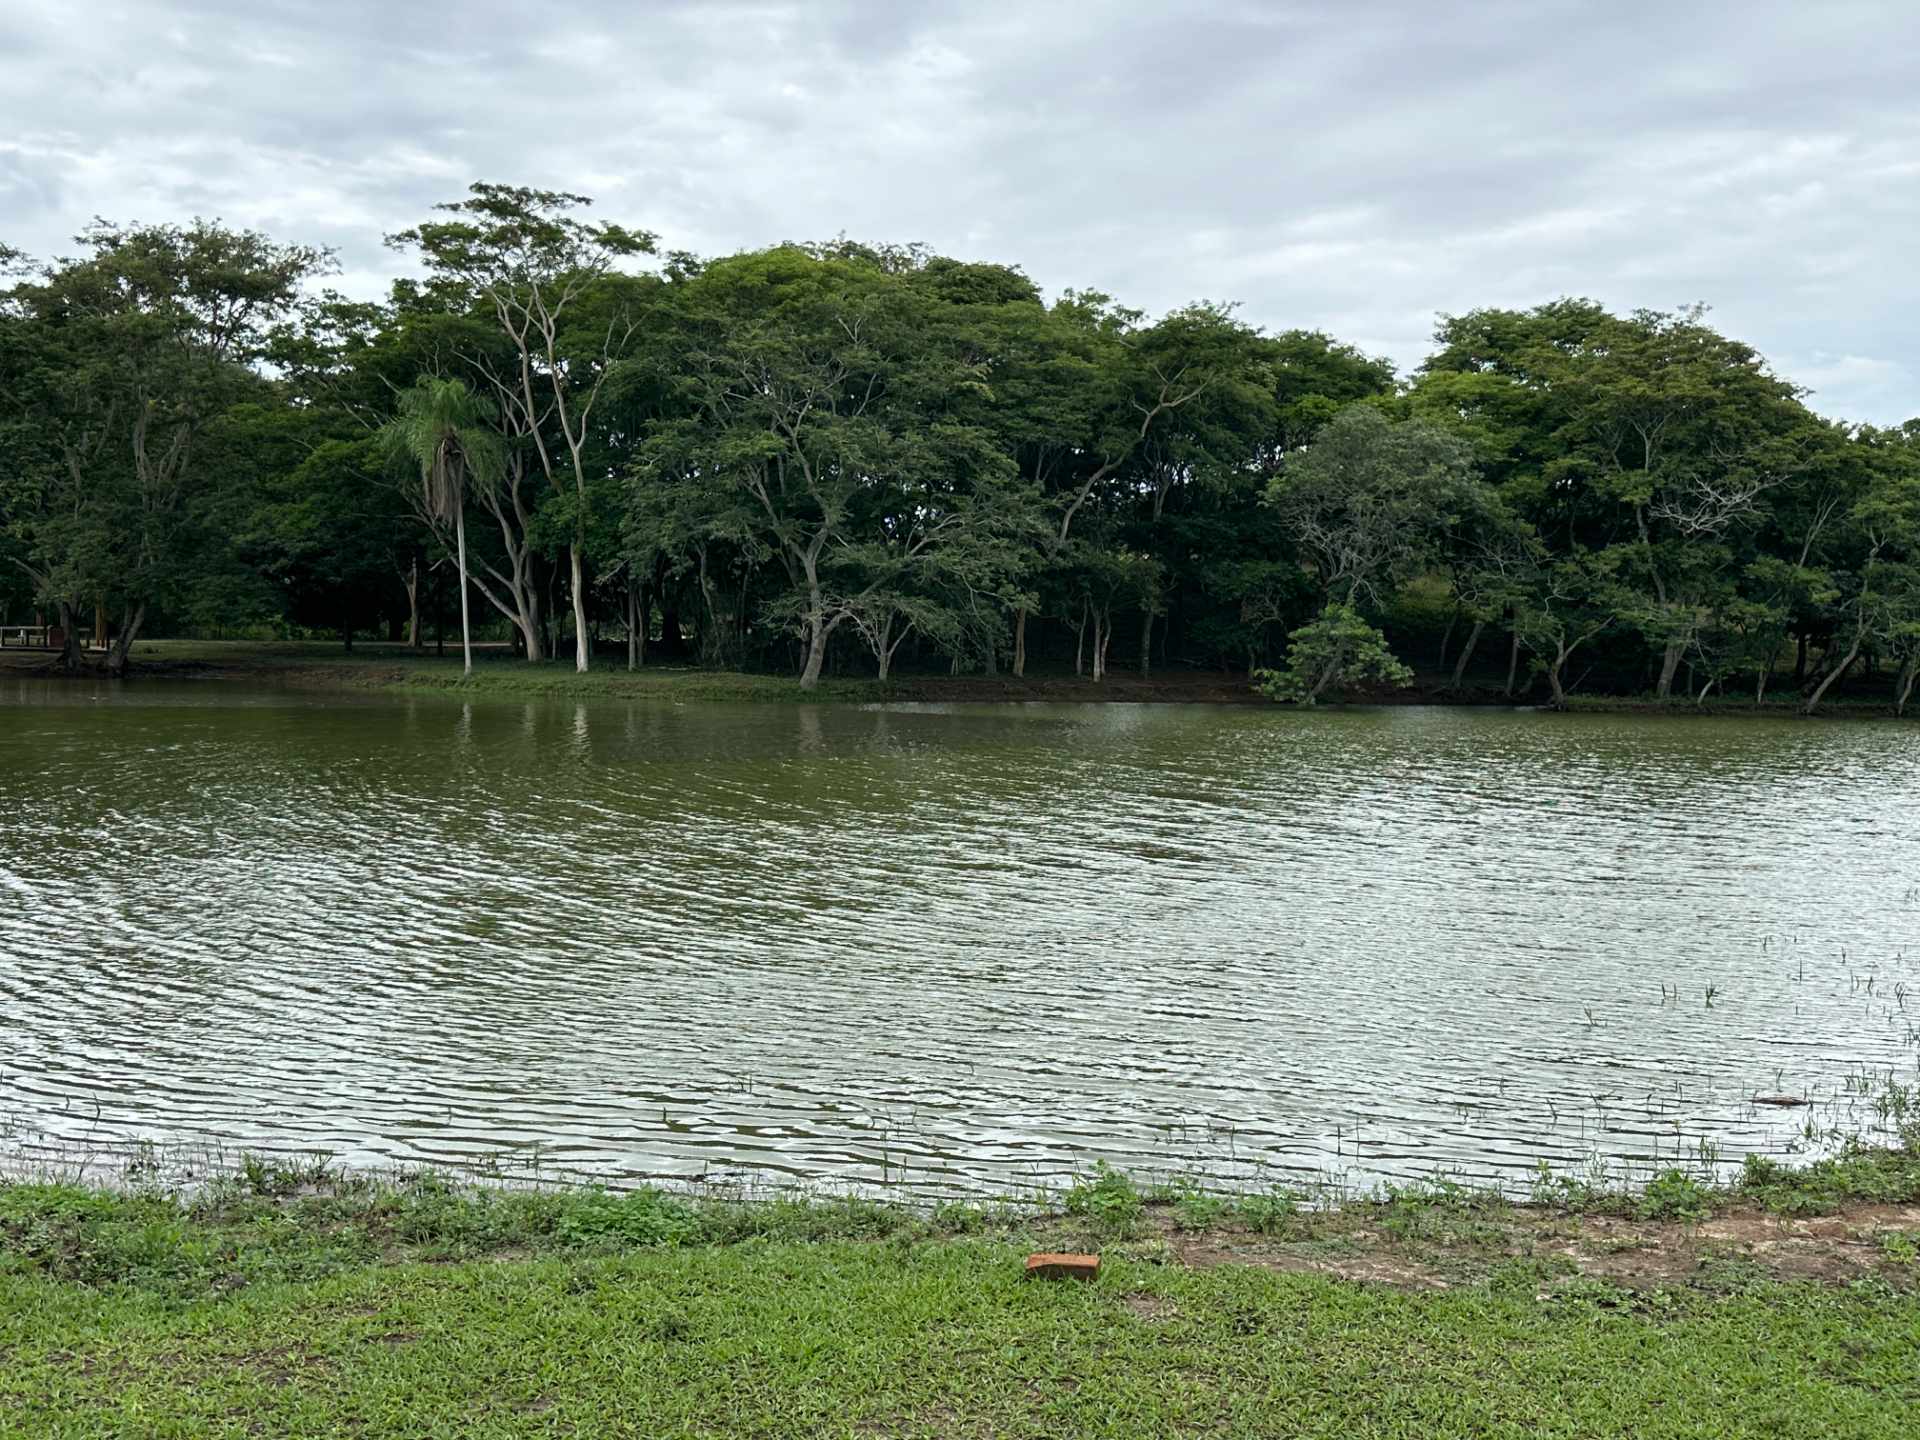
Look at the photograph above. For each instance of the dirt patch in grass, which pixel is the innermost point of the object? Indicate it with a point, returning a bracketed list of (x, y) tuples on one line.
[(1154, 1309), (1641, 1254), (1361, 1262)]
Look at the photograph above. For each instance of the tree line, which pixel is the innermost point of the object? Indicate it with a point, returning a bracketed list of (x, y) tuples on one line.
[(854, 458)]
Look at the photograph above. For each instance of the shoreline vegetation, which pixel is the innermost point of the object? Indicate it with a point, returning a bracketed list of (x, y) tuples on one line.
[(851, 458), (315, 665), (295, 1297)]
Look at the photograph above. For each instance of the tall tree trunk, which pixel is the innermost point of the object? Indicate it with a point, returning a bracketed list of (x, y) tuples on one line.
[(550, 616), (1446, 636), (1846, 664), (100, 624), (1327, 676), (816, 652), (1800, 660), (581, 648), (1859, 638), (460, 559), (1669, 666), (1553, 680), (70, 651), (1513, 664), (412, 581), (1080, 645), (1903, 690), (346, 636), (1466, 652), (122, 649), (639, 612), (532, 625), (1020, 643), (1146, 642), (516, 592)]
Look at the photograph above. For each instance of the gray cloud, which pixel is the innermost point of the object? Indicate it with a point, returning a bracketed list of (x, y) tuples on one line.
[(1354, 168)]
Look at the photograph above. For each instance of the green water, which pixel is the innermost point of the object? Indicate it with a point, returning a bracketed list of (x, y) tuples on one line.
[(956, 947)]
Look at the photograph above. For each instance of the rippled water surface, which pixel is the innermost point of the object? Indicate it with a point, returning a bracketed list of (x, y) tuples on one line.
[(960, 947)]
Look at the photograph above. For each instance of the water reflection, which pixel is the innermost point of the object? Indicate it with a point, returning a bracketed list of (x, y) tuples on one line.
[(974, 946)]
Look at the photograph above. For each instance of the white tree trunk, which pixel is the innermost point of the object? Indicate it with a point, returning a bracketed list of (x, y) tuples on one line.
[(581, 651), (1846, 664), (1553, 681), (633, 624), (466, 626), (816, 653), (1669, 666)]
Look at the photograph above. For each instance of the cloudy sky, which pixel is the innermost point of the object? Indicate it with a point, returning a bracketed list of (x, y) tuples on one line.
[(1355, 168)]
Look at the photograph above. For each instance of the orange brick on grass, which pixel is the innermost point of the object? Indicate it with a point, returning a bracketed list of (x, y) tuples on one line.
[(1049, 1266)]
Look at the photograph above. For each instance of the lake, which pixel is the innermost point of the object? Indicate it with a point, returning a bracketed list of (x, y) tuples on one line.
[(957, 948)]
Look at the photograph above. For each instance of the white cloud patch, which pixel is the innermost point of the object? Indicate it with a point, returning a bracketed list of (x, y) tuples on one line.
[(1357, 169)]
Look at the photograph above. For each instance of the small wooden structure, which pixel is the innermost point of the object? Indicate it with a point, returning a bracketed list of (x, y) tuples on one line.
[(32, 637)]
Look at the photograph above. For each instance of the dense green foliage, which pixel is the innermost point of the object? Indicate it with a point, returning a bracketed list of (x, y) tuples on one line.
[(842, 459)]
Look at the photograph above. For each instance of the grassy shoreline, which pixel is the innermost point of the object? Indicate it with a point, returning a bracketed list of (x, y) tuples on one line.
[(288, 1299), (380, 666)]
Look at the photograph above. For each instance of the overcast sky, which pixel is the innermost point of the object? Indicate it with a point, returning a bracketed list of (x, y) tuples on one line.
[(1349, 167)]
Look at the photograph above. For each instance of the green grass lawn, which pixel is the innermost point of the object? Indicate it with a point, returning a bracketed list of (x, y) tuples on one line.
[(291, 1303), (944, 1338), (496, 672), (385, 665)]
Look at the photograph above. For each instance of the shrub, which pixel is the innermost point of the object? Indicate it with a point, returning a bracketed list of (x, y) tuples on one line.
[(639, 1217), (1269, 1212), (1675, 1195), (1109, 1198)]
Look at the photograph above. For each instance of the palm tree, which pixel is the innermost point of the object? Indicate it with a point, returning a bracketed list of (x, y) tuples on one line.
[(441, 426)]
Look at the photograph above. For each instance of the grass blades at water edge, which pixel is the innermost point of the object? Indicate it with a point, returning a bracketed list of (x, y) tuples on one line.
[(278, 1219)]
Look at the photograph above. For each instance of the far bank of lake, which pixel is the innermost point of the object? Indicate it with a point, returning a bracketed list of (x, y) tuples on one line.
[(313, 665)]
